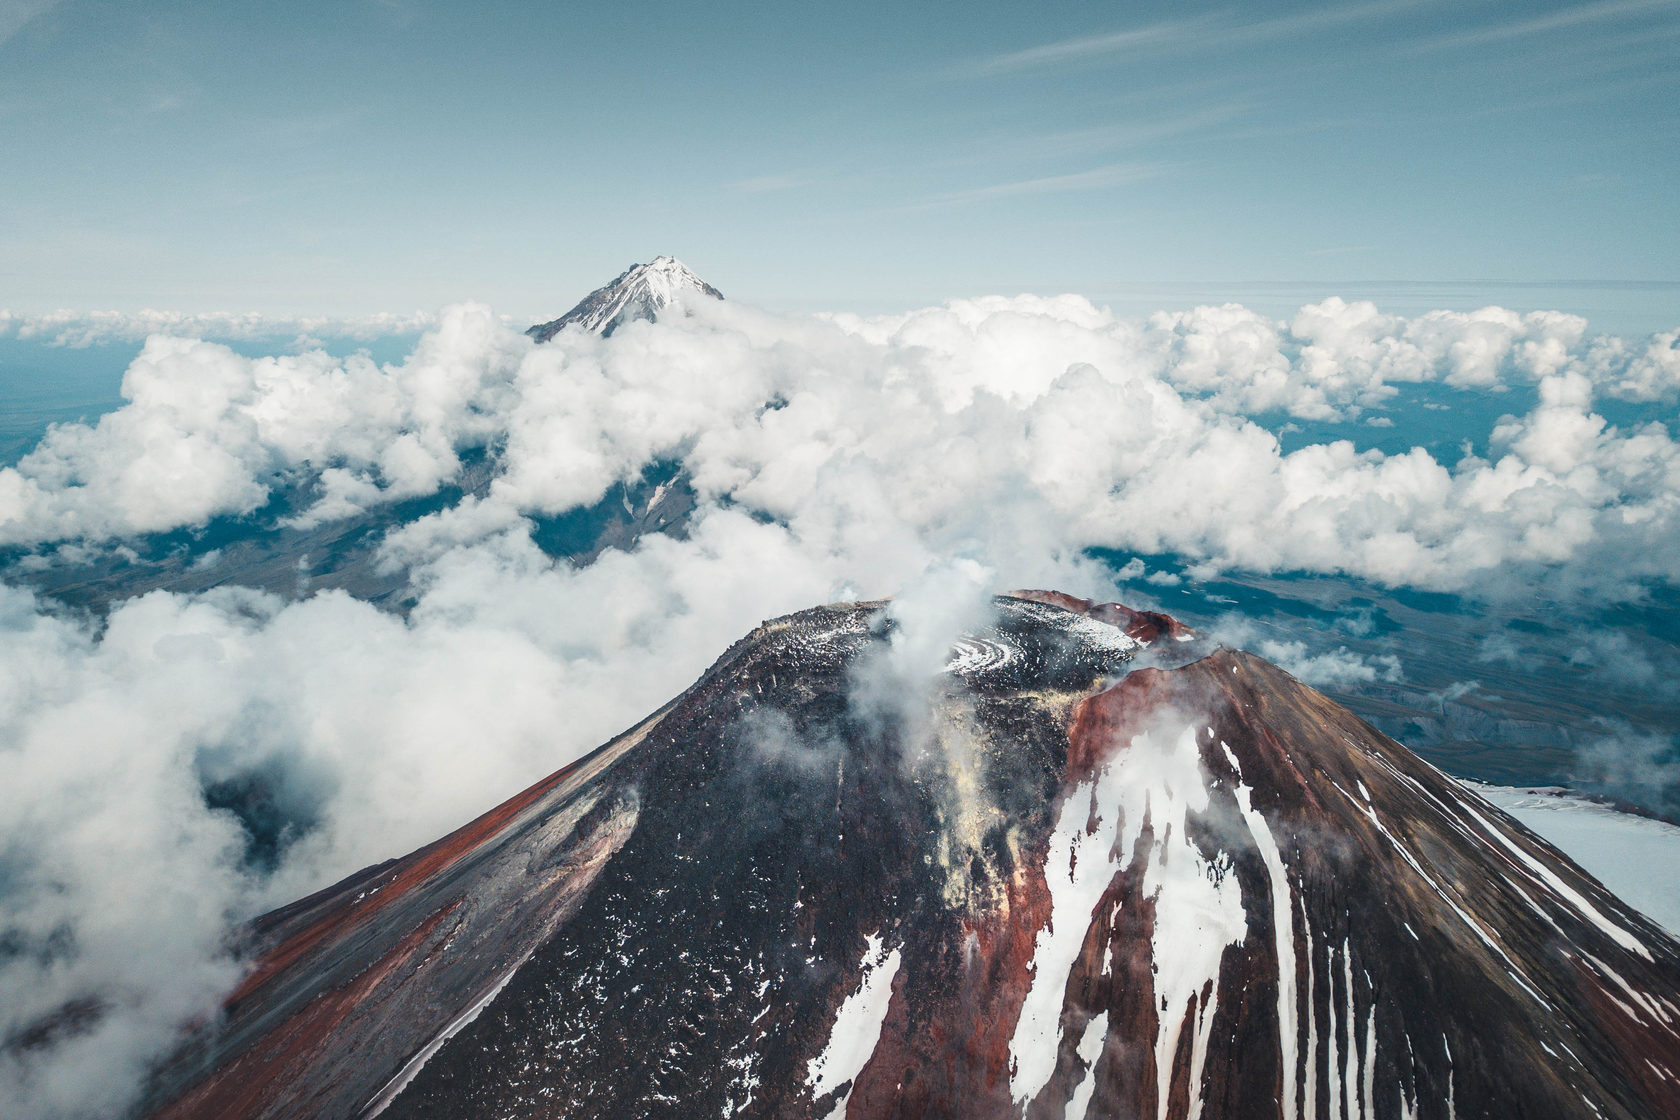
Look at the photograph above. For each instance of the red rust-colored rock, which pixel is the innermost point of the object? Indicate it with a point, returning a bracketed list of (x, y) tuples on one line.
[(1145, 626)]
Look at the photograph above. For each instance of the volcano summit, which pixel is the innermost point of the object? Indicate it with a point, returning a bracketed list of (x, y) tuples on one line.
[(1094, 868), (639, 292)]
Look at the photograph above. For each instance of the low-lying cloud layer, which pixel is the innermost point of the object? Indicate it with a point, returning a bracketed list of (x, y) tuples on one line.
[(1101, 432), (79, 329), (192, 760)]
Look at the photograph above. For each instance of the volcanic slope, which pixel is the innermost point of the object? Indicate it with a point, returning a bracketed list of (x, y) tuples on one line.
[(639, 292), (1093, 869)]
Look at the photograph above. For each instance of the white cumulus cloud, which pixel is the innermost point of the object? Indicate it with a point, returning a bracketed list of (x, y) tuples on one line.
[(831, 457)]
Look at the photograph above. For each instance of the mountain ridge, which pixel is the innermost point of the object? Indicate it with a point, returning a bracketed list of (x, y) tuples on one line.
[(639, 292), (1086, 886)]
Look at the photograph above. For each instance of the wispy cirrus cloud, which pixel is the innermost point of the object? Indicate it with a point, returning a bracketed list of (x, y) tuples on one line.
[(1202, 31), (1096, 178), (1093, 46), (1341, 250), (1566, 19), (1132, 133), (769, 184), (16, 14)]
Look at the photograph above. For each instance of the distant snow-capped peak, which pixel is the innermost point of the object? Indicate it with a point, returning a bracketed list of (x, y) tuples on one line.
[(640, 292)]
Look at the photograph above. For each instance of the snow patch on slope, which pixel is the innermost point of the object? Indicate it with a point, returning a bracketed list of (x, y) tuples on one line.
[(1090, 1049), (1078, 870), (857, 1027), (1198, 904), (1283, 929), (1157, 777)]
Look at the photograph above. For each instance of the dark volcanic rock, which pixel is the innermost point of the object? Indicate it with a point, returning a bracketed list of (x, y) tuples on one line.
[(1053, 882)]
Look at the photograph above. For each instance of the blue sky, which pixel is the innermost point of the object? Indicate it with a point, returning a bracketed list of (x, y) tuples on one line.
[(362, 156)]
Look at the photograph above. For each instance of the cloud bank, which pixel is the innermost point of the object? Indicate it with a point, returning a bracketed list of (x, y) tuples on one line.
[(78, 329), (1102, 431), (189, 761)]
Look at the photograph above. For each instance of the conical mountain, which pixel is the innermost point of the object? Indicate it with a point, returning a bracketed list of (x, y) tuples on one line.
[(640, 292), (1095, 868)]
